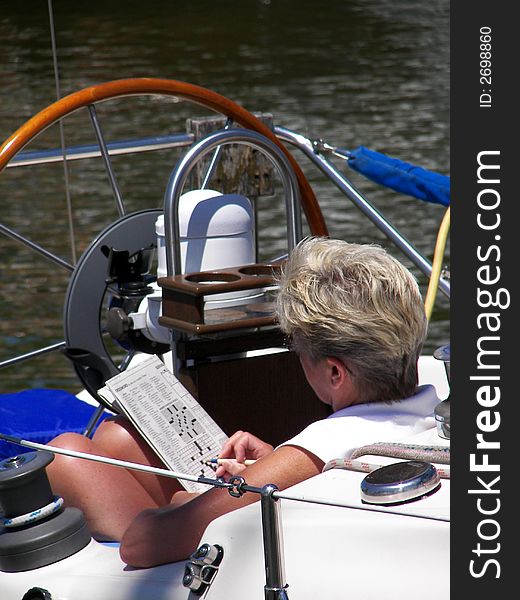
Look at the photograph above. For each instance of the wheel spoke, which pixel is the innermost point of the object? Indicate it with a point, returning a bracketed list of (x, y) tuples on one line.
[(33, 246), (33, 354), (214, 160), (106, 159)]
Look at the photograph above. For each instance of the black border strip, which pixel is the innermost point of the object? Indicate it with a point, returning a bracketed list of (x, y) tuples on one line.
[(484, 242)]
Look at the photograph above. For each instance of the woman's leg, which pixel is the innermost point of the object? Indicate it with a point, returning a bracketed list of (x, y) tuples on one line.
[(121, 440), (110, 497)]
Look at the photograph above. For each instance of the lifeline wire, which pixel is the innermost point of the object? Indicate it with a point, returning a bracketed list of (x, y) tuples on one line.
[(102, 459), (214, 482)]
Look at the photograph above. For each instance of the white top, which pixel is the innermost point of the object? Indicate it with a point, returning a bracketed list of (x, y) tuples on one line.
[(341, 433)]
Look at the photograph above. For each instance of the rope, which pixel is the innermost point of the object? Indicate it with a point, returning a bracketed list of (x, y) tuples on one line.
[(440, 246), (435, 454), (356, 465), (35, 515)]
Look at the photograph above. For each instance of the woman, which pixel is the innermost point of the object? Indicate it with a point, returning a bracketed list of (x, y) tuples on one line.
[(356, 319)]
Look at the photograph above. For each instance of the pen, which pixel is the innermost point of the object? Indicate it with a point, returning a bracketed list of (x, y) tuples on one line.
[(219, 461)]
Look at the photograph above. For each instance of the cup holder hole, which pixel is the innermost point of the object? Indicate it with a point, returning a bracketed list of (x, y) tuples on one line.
[(212, 277), (259, 270)]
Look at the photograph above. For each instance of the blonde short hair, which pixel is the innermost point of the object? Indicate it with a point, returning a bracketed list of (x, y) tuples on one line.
[(359, 304)]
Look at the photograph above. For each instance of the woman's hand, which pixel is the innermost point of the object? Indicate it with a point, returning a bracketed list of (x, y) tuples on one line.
[(239, 447)]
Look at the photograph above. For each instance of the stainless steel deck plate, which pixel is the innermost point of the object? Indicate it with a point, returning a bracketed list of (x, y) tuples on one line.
[(399, 482)]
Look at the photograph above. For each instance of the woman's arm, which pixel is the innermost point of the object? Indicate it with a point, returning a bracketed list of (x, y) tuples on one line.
[(172, 533)]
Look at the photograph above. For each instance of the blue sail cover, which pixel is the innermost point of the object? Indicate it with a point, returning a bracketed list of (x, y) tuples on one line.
[(39, 415), (401, 176)]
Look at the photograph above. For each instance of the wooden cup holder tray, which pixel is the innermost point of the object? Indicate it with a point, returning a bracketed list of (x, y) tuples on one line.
[(185, 297)]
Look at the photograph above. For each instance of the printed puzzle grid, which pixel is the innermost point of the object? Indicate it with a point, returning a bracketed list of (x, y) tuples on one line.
[(174, 424)]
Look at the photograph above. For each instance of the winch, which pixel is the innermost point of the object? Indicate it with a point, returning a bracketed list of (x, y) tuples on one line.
[(36, 530)]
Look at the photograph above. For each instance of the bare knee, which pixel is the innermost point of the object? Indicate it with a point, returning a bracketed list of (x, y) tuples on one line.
[(63, 470), (68, 441), (72, 441), (115, 433), (120, 439)]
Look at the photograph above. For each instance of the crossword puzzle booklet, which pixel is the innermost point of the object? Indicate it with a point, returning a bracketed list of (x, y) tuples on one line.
[(168, 417)]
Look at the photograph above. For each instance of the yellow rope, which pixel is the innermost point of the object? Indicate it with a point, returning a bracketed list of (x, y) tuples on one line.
[(438, 256)]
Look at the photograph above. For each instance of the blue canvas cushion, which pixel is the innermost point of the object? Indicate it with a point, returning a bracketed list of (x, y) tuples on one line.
[(40, 415)]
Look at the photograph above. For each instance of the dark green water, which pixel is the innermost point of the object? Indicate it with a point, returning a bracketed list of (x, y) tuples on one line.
[(372, 73)]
